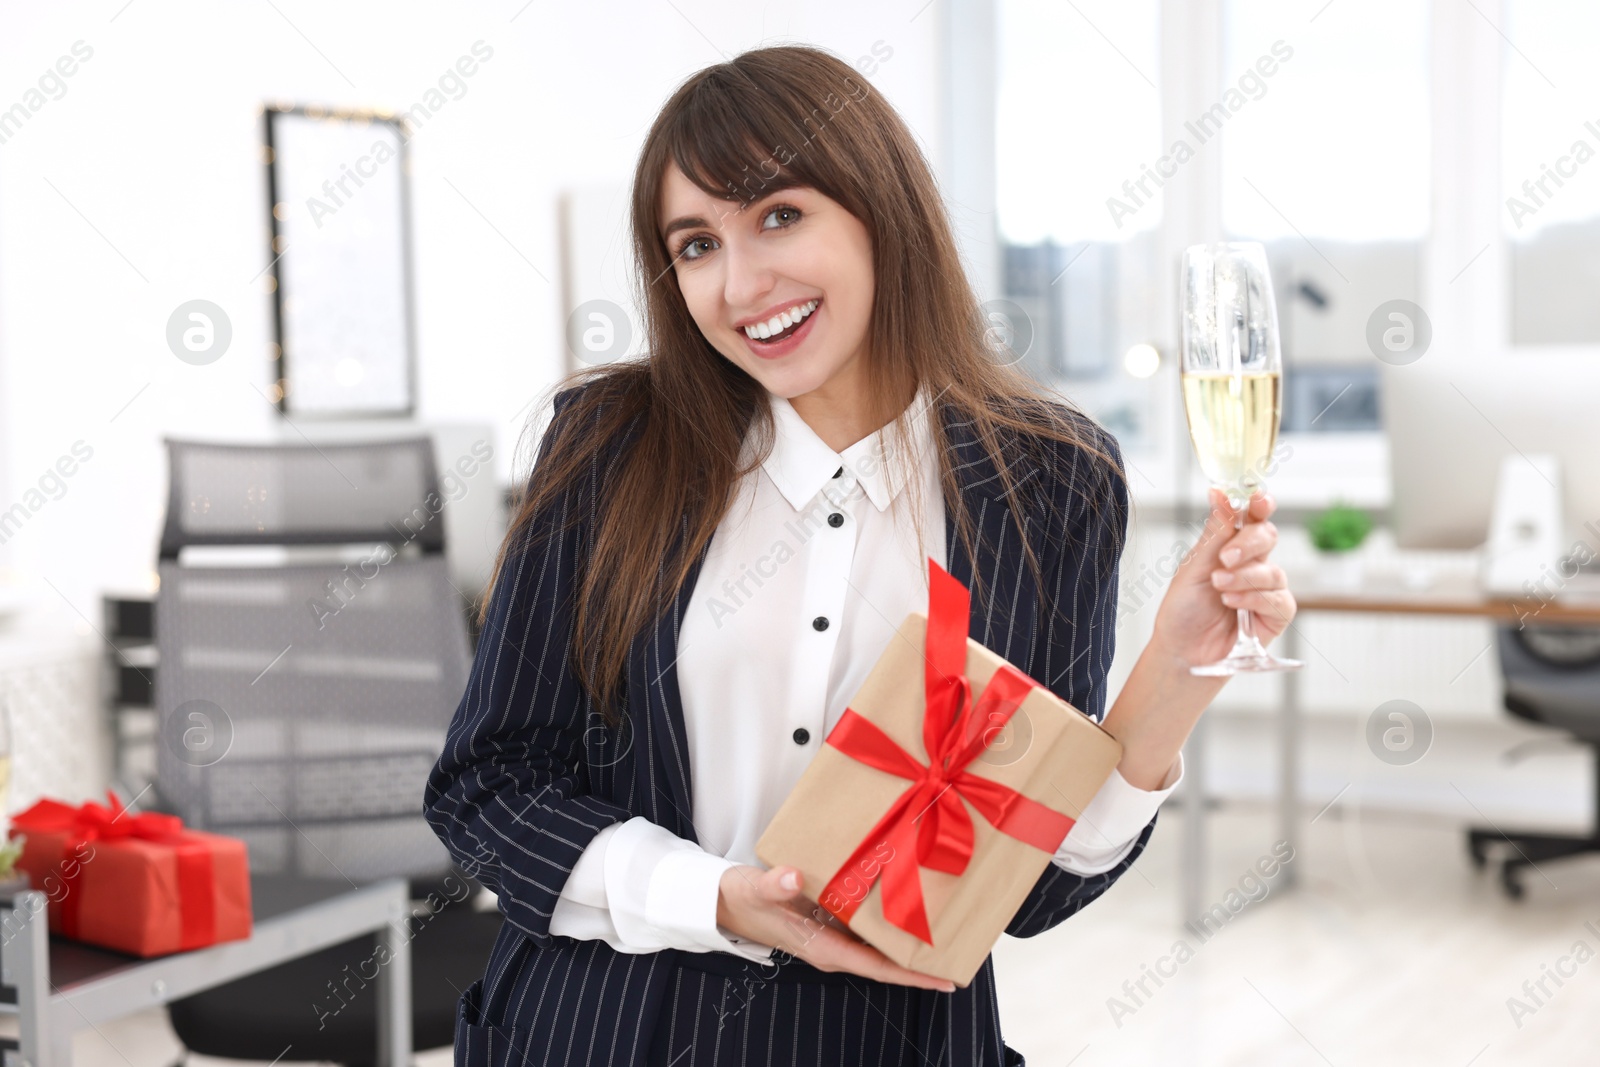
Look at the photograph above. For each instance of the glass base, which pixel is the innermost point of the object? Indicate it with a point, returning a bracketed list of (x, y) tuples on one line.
[(1247, 657)]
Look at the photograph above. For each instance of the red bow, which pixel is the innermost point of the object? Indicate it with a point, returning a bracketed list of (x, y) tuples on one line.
[(928, 820), (96, 822), (111, 822)]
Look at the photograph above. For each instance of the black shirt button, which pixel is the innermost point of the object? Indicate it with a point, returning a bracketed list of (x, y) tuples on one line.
[(819, 623), (839, 473), (836, 520), (801, 735)]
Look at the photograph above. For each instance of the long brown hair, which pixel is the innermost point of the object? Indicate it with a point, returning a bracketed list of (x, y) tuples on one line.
[(766, 120)]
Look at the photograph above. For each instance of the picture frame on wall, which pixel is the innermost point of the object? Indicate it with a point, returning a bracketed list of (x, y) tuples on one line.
[(339, 218)]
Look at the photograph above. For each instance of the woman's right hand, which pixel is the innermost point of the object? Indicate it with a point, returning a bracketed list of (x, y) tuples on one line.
[(767, 906)]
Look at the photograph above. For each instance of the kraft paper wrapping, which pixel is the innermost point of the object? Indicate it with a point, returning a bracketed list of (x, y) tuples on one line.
[(1048, 751)]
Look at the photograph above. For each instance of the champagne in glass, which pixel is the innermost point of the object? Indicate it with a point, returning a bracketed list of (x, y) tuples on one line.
[(1232, 394), (1233, 421)]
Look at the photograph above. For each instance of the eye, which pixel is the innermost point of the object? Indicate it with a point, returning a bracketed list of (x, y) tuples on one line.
[(686, 248), (793, 212), (688, 243)]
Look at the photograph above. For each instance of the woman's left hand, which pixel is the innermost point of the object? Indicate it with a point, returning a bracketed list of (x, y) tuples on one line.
[(1226, 569)]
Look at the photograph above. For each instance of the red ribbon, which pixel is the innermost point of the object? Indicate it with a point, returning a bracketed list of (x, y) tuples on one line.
[(928, 821), (113, 822)]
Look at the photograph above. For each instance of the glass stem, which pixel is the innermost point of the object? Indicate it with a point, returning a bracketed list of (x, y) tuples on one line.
[(1247, 633)]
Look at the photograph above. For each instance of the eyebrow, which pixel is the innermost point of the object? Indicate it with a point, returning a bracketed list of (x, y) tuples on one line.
[(686, 222)]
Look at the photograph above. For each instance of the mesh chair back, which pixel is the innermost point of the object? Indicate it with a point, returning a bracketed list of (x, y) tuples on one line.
[(302, 706), (1552, 675), (223, 494)]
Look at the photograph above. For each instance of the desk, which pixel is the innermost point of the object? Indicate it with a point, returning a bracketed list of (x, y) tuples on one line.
[(62, 985), (1384, 594)]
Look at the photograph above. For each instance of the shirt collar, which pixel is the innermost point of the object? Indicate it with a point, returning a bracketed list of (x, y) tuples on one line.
[(801, 463)]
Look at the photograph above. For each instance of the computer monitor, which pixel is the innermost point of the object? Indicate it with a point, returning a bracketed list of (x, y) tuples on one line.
[(1451, 421)]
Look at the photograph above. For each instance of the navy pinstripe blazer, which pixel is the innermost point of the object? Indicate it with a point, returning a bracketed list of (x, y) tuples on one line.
[(529, 774)]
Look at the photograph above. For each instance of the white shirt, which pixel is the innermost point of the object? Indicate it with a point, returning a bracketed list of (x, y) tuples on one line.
[(762, 685)]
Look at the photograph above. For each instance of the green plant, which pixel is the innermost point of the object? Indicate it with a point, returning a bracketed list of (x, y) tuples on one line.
[(9, 853), (1340, 528)]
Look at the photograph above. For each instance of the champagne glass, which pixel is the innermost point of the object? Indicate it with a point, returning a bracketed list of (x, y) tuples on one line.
[(1232, 394)]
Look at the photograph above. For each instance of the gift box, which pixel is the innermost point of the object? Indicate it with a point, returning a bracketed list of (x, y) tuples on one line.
[(929, 859), (143, 884)]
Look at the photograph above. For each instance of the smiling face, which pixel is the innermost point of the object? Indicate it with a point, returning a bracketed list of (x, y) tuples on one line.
[(794, 265)]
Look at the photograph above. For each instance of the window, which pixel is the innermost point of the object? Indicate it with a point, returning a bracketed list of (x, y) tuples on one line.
[(1081, 269), (1550, 178), (1326, 162)]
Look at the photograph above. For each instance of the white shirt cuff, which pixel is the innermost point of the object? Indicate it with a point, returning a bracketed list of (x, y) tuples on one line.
[(1108, 826), (587, 882), (581, 910), (681, 904), (658, 891)]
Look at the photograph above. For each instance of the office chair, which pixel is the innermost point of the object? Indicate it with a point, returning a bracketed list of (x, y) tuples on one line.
[(1552, 677), (302, 703)]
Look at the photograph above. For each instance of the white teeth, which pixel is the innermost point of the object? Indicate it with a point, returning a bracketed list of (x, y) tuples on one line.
[(781, 321)]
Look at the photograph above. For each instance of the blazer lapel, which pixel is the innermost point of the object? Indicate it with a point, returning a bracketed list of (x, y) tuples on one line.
[(1001, 620)]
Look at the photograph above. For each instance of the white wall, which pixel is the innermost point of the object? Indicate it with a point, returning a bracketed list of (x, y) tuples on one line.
[(141, 188)]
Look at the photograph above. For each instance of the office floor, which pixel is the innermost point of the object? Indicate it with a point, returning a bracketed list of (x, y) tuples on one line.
[(1392, 950)]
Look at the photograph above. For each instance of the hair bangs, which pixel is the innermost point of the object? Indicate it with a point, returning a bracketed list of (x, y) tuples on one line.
[(738, 141)]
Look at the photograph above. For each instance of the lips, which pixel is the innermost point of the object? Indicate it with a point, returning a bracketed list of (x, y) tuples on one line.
[(781, 344), (785, 318), (787, 331), (779, 318)]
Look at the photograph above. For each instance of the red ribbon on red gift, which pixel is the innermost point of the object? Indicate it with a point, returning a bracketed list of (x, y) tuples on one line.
[(112, 822), (928, 820)]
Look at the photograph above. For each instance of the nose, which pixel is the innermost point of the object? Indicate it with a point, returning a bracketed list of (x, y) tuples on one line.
[(748, 280)]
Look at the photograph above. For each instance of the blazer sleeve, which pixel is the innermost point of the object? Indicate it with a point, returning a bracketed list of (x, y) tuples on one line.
[(509, 795), (1080, 639)]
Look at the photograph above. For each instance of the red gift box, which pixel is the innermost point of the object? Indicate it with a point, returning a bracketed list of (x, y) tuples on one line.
[(138, 883)]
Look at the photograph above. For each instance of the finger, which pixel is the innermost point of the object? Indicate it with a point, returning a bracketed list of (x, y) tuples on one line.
[(800, 932), (922, 980), (1277, 604), (1255, 541), (1222, 510), (1216, 532), (780, 883), (1256, 600), (807, 918), (1262, 505), (1250, 577), (831, 950)]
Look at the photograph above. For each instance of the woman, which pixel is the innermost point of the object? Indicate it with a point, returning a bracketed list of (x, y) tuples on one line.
[(715, 545)]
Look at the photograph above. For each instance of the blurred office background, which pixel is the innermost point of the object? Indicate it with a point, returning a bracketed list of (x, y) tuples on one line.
[(1427, 160)]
